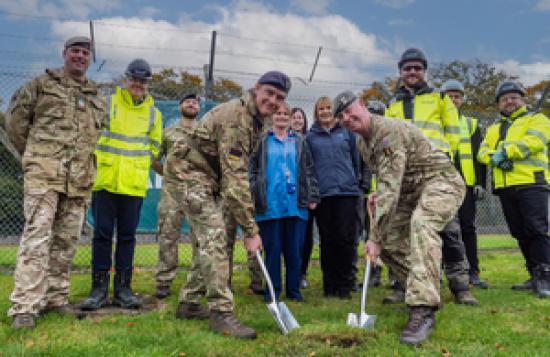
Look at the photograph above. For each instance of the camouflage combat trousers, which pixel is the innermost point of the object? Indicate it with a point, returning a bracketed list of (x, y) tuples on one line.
[(53, 223), (171, 214), (170, 219), (210, 239), (412, 248), (254, 270)]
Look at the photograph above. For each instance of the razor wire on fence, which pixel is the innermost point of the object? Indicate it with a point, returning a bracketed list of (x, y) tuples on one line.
[(490, 219)]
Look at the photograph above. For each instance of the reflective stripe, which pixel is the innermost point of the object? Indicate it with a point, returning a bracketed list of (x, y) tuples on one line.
[(532, 162), (466, 156), (521, 146), (151, 119), (155, 144), (464, 140), (440, 143), (424, 124), (451, 129), (125, 138), (122, 152), (538, 134)]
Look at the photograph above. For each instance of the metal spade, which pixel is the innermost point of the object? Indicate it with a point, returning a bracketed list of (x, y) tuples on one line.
[(282, 315), (363, 320)]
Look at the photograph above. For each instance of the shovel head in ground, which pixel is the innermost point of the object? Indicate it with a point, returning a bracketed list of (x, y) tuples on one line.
[(282, 315), (363, 320)]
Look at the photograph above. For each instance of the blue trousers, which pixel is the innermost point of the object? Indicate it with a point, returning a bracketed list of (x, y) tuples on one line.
[(286, 236), (110, 210)]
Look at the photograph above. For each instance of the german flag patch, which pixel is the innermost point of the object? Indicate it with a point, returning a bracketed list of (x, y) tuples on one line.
[(235, 154)]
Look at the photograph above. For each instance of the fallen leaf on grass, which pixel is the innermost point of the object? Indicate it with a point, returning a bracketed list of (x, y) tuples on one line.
[(29, 344), (131, 324), (445, 352), (311, 354), (182, 354), (499, 347)]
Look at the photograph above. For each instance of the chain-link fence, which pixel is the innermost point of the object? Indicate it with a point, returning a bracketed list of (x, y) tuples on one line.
[(489, 217)]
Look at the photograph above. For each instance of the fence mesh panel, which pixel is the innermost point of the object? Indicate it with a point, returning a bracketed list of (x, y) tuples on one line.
[(490, 220)]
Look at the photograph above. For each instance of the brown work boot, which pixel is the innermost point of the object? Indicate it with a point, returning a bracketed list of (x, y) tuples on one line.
[(190, 311), (227, 324), (465, 298), (420, 325), (23, 321), (162, 292), (396, 297)]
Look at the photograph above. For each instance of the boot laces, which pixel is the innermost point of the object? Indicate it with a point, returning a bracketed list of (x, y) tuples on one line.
[(416, 320)]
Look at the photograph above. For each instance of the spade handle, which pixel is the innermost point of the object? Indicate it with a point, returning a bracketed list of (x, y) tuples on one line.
[(266, 275)]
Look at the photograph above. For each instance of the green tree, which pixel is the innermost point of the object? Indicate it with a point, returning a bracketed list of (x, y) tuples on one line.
[(479, 79), (168, 84), (225, 89)]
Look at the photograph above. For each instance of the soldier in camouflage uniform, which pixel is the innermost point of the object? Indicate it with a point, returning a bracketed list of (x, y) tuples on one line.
[(214, 161), (418, 192), (54, 121), (170, 211)]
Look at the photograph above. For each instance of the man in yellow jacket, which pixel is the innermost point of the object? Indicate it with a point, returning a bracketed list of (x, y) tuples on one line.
[(474, 176), (517, 149), (124, 154), (435, 114)]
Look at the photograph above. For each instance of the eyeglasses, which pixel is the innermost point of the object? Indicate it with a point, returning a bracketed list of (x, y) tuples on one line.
[(412, 67)]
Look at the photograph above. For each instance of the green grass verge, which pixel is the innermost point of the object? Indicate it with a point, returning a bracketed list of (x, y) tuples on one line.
[(507, 323), (147, 254)]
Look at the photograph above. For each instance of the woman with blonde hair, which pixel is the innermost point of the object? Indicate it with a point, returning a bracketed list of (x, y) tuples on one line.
[(337, 168)]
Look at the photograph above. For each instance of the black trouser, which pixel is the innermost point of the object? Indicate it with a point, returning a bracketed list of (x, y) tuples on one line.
[(308, 243), (467, 217), (337, 222), (526, 211), (108, 210), (455, 264)]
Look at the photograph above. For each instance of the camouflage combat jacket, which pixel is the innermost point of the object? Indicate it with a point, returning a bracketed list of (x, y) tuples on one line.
[(219, 149), (180, 130), (404, 160), (55, 121)]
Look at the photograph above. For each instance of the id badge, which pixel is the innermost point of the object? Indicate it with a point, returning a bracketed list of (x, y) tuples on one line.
[(290, 188)]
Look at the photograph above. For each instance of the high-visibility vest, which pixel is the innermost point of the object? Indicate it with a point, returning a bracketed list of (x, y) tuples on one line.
[(468, 127), (434, 114), (525, 142), (128, 144)]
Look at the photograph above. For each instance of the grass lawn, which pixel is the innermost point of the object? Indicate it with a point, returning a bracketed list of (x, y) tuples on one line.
[(506, 323)]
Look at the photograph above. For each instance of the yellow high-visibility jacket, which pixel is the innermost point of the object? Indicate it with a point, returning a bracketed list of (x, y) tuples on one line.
[(468, 127), (434, 113), (127, 146), (525, 143)]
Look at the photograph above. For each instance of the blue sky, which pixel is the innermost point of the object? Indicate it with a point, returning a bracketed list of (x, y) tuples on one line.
[(361, 40)]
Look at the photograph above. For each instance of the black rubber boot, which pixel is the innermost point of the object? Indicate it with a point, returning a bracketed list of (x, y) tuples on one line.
[(123, 291), (542, 281), (99, 293)]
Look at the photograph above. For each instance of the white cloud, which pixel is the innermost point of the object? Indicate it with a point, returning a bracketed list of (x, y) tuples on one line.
[(289, 44), (395, 4), (80, 9), (399, 22), (543, 5), (315, 7), (529, 73)]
